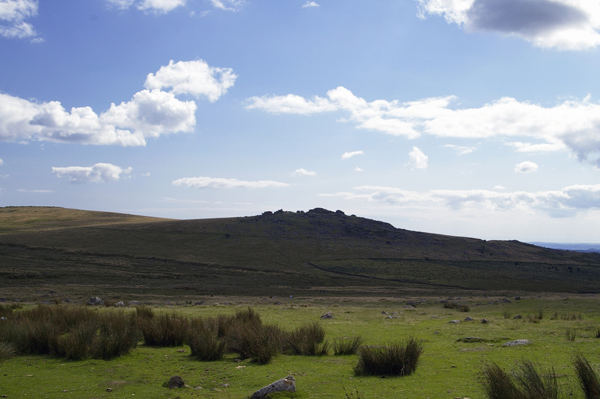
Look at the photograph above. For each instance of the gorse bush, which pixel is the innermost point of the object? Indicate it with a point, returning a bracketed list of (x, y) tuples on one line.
[(70, 332), (346, 345), (395, 359), (526, 383), (588, 379)]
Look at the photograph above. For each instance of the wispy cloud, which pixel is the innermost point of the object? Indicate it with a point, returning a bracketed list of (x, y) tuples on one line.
[(461, 149), (228, 5), (560, 24), (220, 182), (13, 16), (35, 190), (556, 203), (310, 4), (572, 124), (352, 154), (304, 172), (98, 173), (526, 167), (154, 6), (418, 159)]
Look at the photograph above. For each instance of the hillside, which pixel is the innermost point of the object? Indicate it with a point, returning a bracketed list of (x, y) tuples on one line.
[(56, 251)]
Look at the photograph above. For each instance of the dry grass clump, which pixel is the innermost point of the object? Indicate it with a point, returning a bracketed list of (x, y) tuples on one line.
[(525, 383), (164, 329), (307, 340), (346, 345), (588, 379)]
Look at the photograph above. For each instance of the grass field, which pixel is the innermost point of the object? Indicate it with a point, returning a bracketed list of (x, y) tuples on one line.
[(447, 368)]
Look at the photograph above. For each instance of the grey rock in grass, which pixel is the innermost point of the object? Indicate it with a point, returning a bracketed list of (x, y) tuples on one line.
[(517, 342), (119, 304), (468, 318), (484, 321), (175, 382), (327, 315), (469, 340), (287, 384), (95, 301), (517, 317)]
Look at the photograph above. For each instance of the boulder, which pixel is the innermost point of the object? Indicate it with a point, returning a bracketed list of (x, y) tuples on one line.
[(468, 318), (287, 384), (484, 321), (517, 317), (454, 321), (175, 382), (119, 304), (517, 342), (327, 315), (95, 301)]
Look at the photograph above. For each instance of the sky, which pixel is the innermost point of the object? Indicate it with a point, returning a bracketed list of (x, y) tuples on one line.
[(477, 118)]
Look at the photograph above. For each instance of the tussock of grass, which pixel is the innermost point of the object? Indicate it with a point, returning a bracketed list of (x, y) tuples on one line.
[(204, 341), (526, 383), (6, 351), (307, 340), (395, 359), (164, 330), (457, 306), (588, 379), (346, 345), (571, 334)]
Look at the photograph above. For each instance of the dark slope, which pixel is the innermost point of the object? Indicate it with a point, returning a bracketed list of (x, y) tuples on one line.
[(318, 252)]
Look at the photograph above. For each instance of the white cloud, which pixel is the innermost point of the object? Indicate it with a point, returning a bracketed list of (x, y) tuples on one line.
[(98, 173), (560, 24), (304, 172), (228, 5), (220, 182), (1, 162), (351, 154), (155, 6), (357, 169), (460, 149), (35, 190), (149, 114), (418, 159), (526, 167), (572, 124), (195, 78), (13, 14), (310, 4), (557, 203)]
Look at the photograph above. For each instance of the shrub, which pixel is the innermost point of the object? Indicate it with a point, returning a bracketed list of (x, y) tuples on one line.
[(164, 330), (203, 340), (307, 340), (457, 306), (395, 359), (117, 335), (6, 351), (588, 379), (255, 341), (346, 345), (144, 312), (525, 384)]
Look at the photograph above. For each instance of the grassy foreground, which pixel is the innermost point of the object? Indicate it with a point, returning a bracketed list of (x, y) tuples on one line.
[(447, 368)]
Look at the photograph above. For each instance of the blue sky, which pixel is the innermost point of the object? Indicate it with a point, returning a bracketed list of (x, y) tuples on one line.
[(463, 117)]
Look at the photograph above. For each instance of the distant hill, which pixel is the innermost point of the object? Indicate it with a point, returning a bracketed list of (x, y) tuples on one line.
[(56, 251), (579, 247)]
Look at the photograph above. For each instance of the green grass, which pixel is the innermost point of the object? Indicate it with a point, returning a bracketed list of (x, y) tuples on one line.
[(447, 368)]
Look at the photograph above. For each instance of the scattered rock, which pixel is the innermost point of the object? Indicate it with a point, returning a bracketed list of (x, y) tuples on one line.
[(454, 322), (327, 315), (468, 318), (517, 298), (287, 384), (198, 388), (108, 389), (517, 317), (119, 304), (175, 382), (134, 303), (95, 301), (198, 303), (517, 342), (506, 300), (484, 321), (469, 340)]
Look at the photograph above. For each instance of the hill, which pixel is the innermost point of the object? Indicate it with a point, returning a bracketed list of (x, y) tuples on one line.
[(56, 251)]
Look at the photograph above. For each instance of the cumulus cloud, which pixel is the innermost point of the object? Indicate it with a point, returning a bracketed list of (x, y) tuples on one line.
[(560, 24), (418, 159), (351, 154), (150, 113), (310, 4), (154, 6), (1, 162), (228, 5), (572, 124), (221, 182), (461, 149), (298, 172), (557, 203), (526, 167), (98, 173), (358, 169), (13, 14), (195, 78)]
